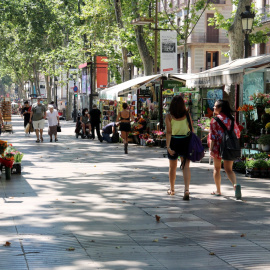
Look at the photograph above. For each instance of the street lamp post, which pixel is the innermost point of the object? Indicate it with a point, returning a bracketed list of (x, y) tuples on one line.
[(75, 95), (247, 18)]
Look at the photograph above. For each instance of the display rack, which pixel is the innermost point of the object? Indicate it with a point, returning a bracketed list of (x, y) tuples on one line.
[(6, 114), (108, 110)]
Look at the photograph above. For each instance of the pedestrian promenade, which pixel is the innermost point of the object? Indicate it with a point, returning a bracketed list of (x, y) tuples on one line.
[(85, 205)]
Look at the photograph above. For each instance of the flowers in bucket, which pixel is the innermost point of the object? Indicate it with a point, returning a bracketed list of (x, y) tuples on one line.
[(246, 109), (260, 99), (18, 156), (8, 157), (3, 146), (158, 132), (149, 142), (144, 136)]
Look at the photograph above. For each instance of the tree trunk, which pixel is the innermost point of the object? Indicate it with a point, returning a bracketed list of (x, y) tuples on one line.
[(235, 33), (146, 57), (48, 88), (118, 15), (68, 114)]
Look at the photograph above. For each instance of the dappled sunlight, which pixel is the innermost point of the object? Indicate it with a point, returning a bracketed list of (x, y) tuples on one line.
[(92, 198)]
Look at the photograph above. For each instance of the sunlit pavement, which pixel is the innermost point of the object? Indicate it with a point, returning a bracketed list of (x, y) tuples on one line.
[(81, 204)]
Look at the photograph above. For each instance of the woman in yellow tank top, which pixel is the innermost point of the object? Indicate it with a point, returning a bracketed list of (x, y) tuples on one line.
[(177, 140)]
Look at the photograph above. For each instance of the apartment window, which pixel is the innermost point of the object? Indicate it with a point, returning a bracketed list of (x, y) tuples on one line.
[(211, 59), (212, 34), (262, 48), (178, 21)]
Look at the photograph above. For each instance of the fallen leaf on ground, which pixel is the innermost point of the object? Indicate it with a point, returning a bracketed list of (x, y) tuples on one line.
[(153, 177), (73, 202), (123, 201), (155, 240), (7, 244), (212, 253), (165, 237), (157, 218), (93, 241), (95, 166), (117, 247), (70, 249), (10, 197), (243, 235), (233, 245)]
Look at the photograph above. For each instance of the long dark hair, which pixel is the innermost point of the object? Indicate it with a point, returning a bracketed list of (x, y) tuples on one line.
[(225, 108), (124, 106), (84, 110), (177, 107)]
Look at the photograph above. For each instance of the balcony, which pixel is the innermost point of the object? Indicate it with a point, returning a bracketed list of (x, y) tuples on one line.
[(204, 38)]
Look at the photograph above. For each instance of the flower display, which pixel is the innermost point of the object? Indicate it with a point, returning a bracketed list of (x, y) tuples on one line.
[(260, 99), (267, 110), (149, 142), (267, 126), (158, 132), (10, 155), (245, 108), (144, 136), (204, 123), (18, 156), (3, 146)]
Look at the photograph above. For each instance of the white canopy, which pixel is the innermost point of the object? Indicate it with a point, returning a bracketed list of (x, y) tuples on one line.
[(226, 74), (112, 92)]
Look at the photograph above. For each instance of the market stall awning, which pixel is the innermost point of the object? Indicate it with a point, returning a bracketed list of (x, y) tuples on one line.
[(112, 92), (226, 74)]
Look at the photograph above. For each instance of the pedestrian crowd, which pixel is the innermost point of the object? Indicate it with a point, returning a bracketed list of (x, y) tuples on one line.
[(179, 131)]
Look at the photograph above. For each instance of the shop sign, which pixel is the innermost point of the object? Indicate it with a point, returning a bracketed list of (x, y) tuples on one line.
[(144, 92), (172, 84), (168, 51), (167, 92)]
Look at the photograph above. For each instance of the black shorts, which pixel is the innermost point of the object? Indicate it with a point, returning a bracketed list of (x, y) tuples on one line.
[(125, 127), (180, 146)]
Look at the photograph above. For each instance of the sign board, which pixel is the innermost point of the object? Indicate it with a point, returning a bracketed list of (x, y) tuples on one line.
[(75, 89), (171, 84), (144, 92), (168, 51)]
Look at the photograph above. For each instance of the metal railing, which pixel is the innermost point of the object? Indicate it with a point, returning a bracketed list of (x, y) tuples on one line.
[(204, 38)]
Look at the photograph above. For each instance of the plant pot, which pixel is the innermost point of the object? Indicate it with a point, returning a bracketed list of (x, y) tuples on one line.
[(8, 173), (16, 168), (142, 141), (136, 139), (259, 146), (253, 146), (264, 173), (266, 147)]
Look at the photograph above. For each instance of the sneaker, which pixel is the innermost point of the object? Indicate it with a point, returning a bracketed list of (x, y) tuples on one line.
[(238, 194)]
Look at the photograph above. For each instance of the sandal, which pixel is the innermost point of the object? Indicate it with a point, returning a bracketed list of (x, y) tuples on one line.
[(186, 196), (37, 140), (170, 192), (215, 193)]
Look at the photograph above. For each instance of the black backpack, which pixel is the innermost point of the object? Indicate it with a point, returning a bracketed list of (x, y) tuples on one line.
[(230, 147)]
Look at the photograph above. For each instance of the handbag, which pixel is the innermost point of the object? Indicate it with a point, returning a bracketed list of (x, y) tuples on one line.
[(195, 148), (58, 128), (27, 128)]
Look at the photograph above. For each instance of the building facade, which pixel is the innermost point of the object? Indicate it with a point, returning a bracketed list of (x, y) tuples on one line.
[(206, 45)]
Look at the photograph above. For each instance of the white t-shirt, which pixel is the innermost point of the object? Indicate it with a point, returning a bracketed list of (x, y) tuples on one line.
[(52, 118)]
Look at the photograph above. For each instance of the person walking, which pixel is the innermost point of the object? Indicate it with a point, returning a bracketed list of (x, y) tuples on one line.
[(85, 122), (125, 117), (108, 130), (223, 111), (26, 115), (53, 120), (178, 136), (37, 116), (95, 115)]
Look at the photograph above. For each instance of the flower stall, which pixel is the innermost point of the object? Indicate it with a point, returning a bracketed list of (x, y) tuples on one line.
[(10, 159)]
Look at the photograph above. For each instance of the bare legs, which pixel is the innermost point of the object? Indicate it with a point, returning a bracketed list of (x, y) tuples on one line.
[(172, 175), (37, 134), (228, 169), (124, 136)]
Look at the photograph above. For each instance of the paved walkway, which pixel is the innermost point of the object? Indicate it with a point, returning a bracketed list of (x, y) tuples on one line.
[(81, 204)]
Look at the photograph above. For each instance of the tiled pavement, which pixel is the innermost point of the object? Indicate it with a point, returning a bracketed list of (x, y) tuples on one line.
[(81, 204)]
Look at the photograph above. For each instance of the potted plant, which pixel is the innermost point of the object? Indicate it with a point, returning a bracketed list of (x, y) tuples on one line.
[(264, 140), (252, 168), (263, 166), (239, 166), (245, 138)]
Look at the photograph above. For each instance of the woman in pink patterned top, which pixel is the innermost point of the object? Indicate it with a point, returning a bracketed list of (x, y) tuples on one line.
[(223, 111)]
